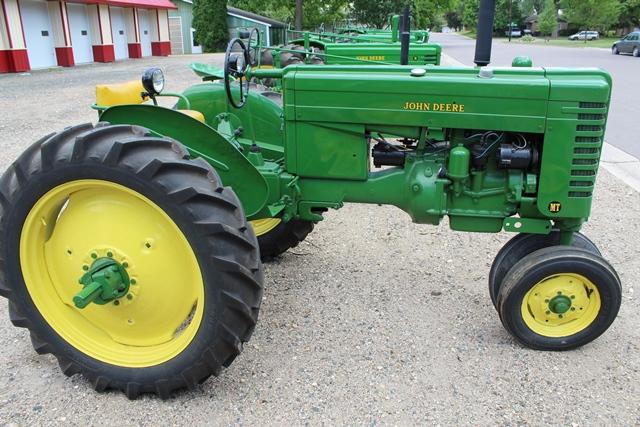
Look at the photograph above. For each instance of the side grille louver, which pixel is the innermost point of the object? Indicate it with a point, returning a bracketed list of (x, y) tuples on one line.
[(587, 148)]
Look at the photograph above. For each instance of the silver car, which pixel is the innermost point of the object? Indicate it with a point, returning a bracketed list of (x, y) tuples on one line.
[(585, 35)]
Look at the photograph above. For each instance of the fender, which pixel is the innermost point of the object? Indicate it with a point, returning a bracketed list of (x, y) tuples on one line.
[(201, 140)]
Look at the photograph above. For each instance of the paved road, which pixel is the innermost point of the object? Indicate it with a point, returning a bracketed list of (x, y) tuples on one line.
[(624, 117)]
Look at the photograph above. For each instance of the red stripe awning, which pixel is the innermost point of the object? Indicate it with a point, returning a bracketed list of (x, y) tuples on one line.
[(145, 4)]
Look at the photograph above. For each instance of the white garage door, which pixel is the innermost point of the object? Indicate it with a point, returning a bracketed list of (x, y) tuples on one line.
[(38, 34), (145, 32), (119, 31), (80, 33)]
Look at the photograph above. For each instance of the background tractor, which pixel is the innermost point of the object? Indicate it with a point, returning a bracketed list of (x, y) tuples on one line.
[(379, 47), (129, 247)]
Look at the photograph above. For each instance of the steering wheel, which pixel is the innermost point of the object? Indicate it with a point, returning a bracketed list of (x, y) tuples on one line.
[(236, 66), (253, 43)]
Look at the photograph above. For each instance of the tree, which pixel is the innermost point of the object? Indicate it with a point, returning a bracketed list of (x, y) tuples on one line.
[(548, 19), (210, 23), (299, 15), (630, 14), (591, 14), (315, 12), (470, 14)]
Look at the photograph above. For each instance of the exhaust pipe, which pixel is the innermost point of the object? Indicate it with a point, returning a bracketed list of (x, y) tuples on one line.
[(405, 34), (484, 35)]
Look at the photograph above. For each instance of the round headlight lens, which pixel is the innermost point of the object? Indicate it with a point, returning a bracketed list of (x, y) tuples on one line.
[(153, 81)]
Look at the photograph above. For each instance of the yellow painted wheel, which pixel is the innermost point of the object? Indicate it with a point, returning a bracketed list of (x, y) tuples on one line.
[(561, 305), (559, 298), (150, 244), (80, 220), (263, 226)]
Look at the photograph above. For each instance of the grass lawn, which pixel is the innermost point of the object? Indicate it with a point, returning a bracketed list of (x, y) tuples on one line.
[(603, 42)]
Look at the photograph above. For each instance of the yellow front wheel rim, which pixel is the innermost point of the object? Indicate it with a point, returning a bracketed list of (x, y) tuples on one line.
[(263, 226), (76, 222), (561, 305)]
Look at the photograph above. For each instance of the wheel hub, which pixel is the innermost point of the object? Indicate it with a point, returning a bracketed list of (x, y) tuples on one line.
[(105, 281), (560, 304)]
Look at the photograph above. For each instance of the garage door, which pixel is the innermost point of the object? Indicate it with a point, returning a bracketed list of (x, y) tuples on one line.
[(80, 33), (38, 34), (145, 32), (119, 32)]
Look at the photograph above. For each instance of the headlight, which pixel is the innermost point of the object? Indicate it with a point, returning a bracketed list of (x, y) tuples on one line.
[(153, 81)]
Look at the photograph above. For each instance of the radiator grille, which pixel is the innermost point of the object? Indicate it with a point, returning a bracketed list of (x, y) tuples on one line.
[(587, 148)]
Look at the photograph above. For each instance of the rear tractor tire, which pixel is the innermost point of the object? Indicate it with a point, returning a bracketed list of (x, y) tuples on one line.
[(171, 280), (522, 245), (275, 237), (559, 298)]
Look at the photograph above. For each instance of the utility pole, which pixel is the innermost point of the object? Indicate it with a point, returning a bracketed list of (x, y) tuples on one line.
[(510, 19), (298, 15)]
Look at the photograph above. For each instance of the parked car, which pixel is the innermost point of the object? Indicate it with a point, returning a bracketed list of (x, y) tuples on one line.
[(585, 35), (629, 44), (515, 32)]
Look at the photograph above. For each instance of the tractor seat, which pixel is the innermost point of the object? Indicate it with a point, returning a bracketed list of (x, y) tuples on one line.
[(130, 93)]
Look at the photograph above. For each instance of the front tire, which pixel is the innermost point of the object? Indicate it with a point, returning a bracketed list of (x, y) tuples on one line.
[(636, 52), (559, 298), (522, 245), (122, 193)]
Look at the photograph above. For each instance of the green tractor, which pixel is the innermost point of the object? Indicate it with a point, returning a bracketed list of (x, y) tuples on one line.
[(367, 34), (128, 248), (346, 49)]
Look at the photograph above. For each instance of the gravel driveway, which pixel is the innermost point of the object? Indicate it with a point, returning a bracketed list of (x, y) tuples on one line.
[(372, 320)]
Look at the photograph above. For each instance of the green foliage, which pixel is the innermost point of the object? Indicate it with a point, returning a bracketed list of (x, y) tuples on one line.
[(548, 19), (592, 14), (376, 13), (210, 23), (630, 13), (470, 14), (501, 22), (528, 39), (315, 12)]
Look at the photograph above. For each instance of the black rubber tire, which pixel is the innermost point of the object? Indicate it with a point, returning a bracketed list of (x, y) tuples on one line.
[(615, 51), (546, 262), (636, 52), (190, 192), (522, 245), (290, 58), (283, 237)]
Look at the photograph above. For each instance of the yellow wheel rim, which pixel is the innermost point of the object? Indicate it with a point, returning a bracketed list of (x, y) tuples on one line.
[(561, 305), (263, 226), (164, 307)]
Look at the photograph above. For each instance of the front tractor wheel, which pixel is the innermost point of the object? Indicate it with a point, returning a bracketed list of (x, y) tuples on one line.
[(126, 260), (559, 298), (522, 245)]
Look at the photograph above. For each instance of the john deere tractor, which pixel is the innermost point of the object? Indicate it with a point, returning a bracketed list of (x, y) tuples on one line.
[(128, 248), (323, 47)]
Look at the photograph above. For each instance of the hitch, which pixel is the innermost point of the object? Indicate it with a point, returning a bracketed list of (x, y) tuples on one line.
[(105, 281)]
